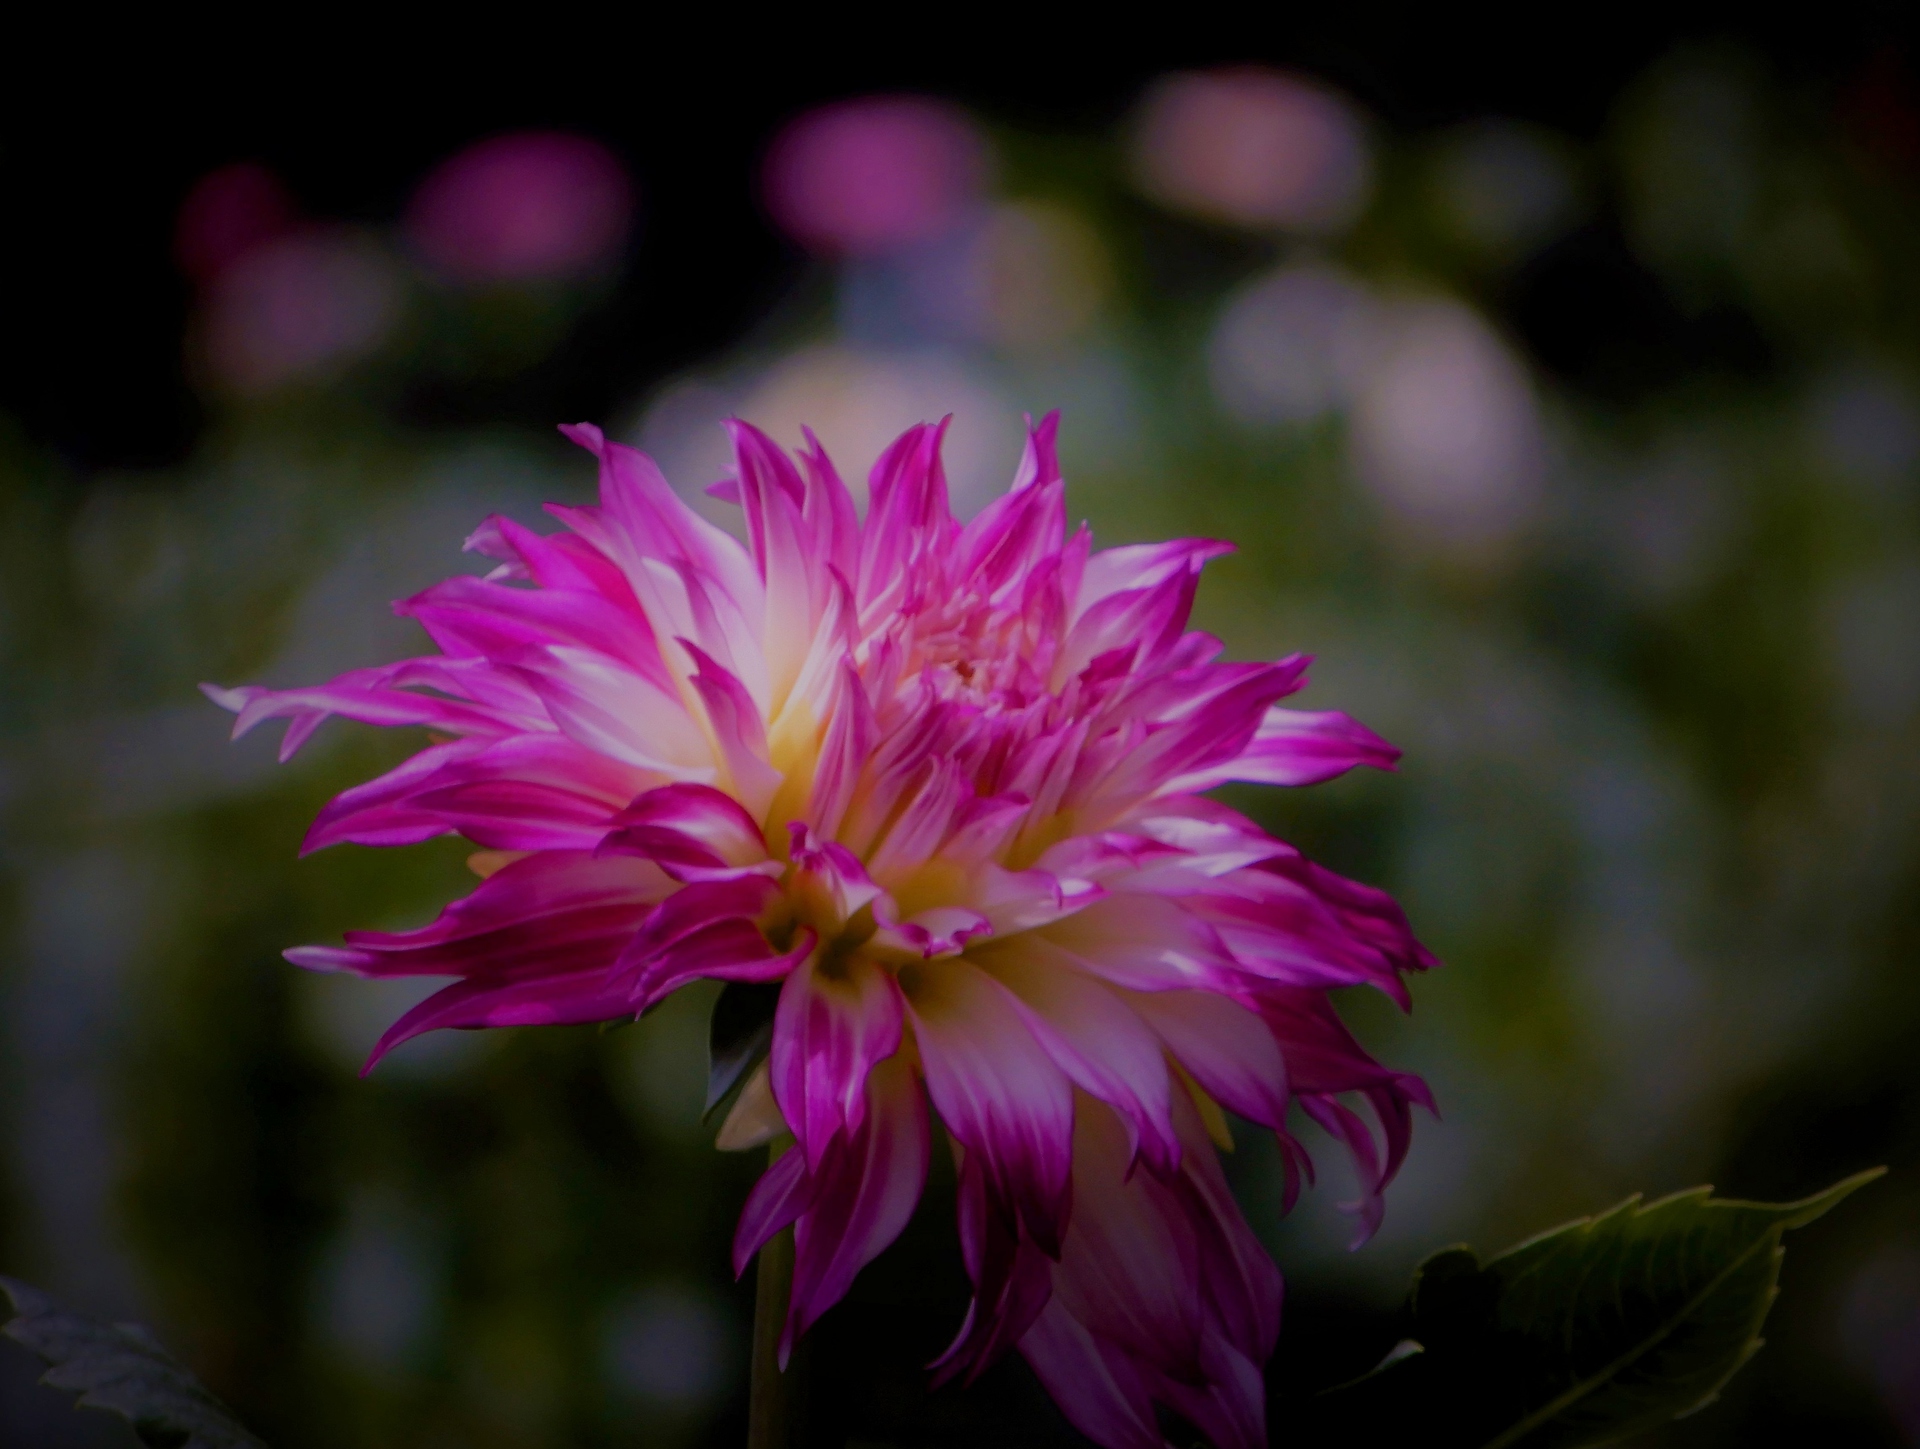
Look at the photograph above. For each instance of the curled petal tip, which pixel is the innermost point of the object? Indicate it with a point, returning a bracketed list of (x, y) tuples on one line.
[(233, 700), (321, 958)]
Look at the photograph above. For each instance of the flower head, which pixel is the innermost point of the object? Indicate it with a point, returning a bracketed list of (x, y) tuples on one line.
[(942, 783)]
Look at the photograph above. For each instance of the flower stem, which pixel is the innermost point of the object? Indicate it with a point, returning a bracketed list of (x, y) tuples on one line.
[(770, 1394)]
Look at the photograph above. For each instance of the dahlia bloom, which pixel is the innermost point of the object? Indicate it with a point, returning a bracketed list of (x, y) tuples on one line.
[(942, 783)]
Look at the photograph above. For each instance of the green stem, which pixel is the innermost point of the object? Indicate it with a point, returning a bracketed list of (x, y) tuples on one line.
[(770, 1395)]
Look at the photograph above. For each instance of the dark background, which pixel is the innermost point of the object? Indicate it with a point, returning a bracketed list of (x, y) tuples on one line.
[(99, 159)]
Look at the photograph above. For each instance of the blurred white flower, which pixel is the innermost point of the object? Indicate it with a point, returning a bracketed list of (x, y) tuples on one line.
[(1447, 436), (857, 401), (1287, 346)]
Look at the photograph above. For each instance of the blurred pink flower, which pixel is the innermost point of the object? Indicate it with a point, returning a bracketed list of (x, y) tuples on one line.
[(869, 175), (1253, 147), (297, 308), (532, 206), (942, 782), (229, 212)]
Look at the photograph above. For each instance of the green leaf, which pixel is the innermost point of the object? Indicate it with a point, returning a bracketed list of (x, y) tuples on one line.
[(1608, 1326), (739, 1034), (118, 1367)]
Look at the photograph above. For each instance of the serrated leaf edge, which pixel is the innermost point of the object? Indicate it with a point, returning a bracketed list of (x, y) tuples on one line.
[(1793, 1215), (205, 1409)]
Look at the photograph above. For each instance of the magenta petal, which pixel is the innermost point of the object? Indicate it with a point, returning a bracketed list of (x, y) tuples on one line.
[(996, 1089), (687, 830), (1161, 1293), (907, 509), (828, 879), (382, 811), (867, 1191), (547, 1001), (724, 951), (1229, 1405), (738, 729), (1296, 747), (473, 616), (848, 746), (1012, 1279), (1102, 1046), (641, 517), (1225, 1047), (834, 1021), (555, 913), (1099, 1389), (829, 511), (779, 1197), (1143, 565)]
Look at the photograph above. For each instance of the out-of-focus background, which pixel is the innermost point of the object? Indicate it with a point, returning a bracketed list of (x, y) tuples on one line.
[(1564, 399)]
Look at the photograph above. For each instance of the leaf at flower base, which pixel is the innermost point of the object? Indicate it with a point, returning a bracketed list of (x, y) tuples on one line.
[(739, 1034), (1606, 1327), (118, 1367)]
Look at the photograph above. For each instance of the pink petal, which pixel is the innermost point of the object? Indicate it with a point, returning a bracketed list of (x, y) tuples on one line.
[(645, 518), (1099, 1389), (738, 730), (847, 748), (709, 928), (937, 931), (1143, 565), (867, 1191), (834, 1021), (1131, 1263), (784, 551), (777, 1199), (1225, 1047), (553, 1000), (1161, 1293), (828, 510), (923, 821), (1092, 1036), (368, 703), (1145, 943), (1012, 1278), (692, 832), (828, 879), (907, 509), (472, 616), (1296, 747), (996, 1090), (554, 913), (606, 707)]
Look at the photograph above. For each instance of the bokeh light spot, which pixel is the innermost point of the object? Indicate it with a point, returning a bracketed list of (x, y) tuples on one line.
[(869, 175), (533, 206), (298, 308), (228, 213), (1253, 147)]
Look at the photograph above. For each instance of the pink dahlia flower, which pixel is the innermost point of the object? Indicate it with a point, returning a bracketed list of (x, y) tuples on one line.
[(943, 784)]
